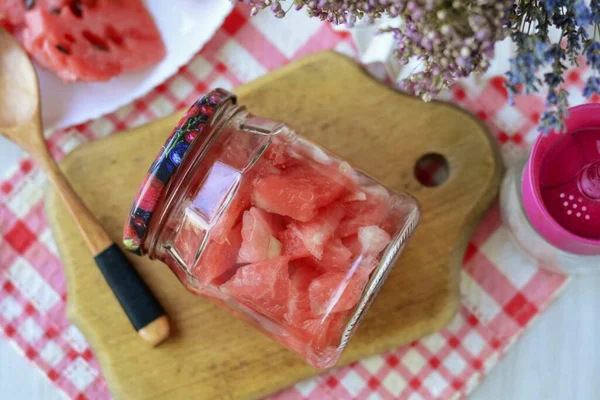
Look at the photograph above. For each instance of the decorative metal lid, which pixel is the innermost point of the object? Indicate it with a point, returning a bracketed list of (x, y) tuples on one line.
[(192, 125)]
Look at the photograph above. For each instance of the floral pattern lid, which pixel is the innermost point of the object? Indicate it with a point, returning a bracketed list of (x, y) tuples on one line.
[(192, 125)]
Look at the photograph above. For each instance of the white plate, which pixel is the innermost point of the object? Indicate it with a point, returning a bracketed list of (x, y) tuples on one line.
[(185, 26)]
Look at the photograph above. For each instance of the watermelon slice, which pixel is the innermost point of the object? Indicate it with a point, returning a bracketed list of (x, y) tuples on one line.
[(85, 40), (298, 192), (263, 286), (218, 258), (332, 292), (319, 230), (259, 229)]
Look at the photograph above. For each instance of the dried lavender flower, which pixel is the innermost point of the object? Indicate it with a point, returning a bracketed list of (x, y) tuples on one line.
[(455, 38)]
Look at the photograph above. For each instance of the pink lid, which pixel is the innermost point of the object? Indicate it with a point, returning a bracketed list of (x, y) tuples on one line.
[(561, 183)]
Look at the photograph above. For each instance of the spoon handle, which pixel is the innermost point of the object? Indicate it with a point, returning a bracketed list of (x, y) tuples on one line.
[(143, 310)]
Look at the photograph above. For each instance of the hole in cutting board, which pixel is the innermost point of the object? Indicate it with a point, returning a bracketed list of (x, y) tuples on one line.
[(432, 170)]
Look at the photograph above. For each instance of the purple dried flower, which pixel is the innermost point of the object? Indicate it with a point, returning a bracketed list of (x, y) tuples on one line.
[(592, 55), (592, 87), (583, 15), (455, 38)]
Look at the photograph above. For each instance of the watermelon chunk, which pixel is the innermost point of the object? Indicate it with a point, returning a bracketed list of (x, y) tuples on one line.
[(298, 309), (12, 15), (259, 230), (262, 286), (87, 40), (351, 242), (369, 241), (233, 213), (373, 239), (366, 264), (371, 211), (315, 233), (298, 192), (293, 246), (276, 154), (335, 256), (218, 258), (188, 238), (326, 333), (330, 292)]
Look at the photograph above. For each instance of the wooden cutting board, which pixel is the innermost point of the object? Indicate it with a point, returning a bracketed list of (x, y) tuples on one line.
[(212, 355)]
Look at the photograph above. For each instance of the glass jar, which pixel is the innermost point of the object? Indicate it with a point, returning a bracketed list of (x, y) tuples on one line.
[(271, 226), (550, 203)]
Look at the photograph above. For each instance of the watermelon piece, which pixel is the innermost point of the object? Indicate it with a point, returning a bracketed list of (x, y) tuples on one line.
[(218, 258), (262, 286), (86, 40), (240, 148), (373, 239), (293, 246), (335, 256), (12, 15), (326, 333), (298, 309), (366, 264), (371, 211), (259, 229), (303, 273), (315, 233), (233, 213), (369, 241), (393, 220), (298, 192), (351, 242), (241, 199), (189, 237), (330, 292), (277, 154)]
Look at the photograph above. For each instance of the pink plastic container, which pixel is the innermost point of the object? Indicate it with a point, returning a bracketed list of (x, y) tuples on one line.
[(551, 204)]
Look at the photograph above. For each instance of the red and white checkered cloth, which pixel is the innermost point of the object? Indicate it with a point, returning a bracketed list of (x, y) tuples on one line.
[(502, 292)]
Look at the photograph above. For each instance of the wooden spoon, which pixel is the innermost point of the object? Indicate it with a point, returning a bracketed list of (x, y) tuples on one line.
[(20, 122)]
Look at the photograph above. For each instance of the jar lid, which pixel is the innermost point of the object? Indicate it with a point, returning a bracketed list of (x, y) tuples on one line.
[(192, 125), (561, 183)]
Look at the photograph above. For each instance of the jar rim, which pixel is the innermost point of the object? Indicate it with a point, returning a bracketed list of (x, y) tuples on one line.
[(195, 123)]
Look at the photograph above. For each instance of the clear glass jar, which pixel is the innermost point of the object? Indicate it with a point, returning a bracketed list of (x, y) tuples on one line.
[(269, 225)]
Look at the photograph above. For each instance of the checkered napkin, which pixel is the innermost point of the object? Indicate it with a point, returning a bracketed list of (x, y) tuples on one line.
[(502, 292)]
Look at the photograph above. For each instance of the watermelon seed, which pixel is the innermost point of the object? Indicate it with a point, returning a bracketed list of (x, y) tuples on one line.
[(29, 4), (62, 49), (76, 8), (113, 35), (55, 11), (95, 41)]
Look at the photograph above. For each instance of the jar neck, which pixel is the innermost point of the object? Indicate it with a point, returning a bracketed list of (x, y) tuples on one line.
[(176, 188)]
